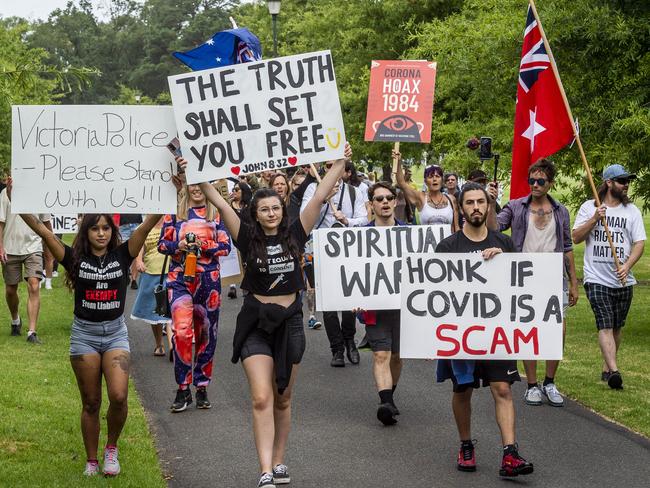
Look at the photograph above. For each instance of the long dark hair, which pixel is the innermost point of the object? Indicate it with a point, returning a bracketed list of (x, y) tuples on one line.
[(602, 193), (81, 245), (258, 238), (246, 194)]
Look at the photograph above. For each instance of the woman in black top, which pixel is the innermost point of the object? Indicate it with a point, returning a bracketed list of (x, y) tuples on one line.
[(240, 198), (269, 337), (97, 269)]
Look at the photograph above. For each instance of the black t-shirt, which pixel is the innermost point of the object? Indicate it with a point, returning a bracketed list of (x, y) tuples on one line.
[(280, 274), (458, 242), (100, 287)]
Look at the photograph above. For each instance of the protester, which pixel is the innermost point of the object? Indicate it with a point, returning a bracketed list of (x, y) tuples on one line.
[(265, 178), (194, 294), (343, 207), (479, 176), (383, 326), (240, 200), (540, 224), (128, 223), (497, 374), (451, 185), (21, 255), (280, 184), (434, 206), (269, 336), (150, 264), (97, 269), (609, 289)]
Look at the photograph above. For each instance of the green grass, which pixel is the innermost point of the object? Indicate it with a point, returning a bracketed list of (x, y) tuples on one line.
[(40, 436)]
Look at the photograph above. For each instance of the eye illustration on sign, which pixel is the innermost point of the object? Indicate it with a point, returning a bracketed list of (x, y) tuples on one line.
[(397, 126)]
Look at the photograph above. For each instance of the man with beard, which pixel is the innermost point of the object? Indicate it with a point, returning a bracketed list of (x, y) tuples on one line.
[(383, 326), (610, 290), (475, 237)]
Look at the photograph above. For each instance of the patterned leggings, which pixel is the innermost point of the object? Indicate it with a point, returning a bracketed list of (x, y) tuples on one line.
[(195, 315)]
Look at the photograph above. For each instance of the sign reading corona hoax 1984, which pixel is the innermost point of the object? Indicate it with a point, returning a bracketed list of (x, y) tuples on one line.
[(258, 116)]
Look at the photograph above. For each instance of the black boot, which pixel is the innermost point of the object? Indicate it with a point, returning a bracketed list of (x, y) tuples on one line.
[(352, 351), (337, 360)]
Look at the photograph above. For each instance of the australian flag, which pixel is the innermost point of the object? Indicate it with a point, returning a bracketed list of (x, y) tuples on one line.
[(227, 47), (542, 123)]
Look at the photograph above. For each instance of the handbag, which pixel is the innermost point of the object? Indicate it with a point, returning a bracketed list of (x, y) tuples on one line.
[(160, 293)]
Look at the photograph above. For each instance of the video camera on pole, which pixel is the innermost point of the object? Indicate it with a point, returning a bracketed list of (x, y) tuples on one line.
[(189, 272)]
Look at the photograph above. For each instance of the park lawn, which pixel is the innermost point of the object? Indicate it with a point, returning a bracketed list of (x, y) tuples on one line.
[(40, 436)]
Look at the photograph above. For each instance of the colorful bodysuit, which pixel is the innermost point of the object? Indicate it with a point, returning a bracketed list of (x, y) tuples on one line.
[(194, 305)]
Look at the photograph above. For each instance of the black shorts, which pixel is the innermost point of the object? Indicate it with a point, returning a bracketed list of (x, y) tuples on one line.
[(384, 335), (610, 305), (488, 371), (261, 342)]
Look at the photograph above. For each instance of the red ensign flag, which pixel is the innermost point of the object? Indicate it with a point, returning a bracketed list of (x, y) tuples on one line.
[(542, 125)]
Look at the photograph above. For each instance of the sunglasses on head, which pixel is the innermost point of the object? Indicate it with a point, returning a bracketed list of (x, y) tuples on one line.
[(539, 181), (381, 198), (431, 170), (622, 181)]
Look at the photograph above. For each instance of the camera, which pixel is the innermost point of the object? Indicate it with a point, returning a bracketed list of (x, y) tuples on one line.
[(485, 149)]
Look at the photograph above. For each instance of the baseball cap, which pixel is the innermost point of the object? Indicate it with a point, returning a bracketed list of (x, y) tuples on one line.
[(616, 171), (477, 174)]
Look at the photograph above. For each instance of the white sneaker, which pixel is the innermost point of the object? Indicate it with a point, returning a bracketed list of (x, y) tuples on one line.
[(281, 475), (266, 481), (48, 284), (111, 464), (533, 396), (92, 469), (552, 395), (55, 274)]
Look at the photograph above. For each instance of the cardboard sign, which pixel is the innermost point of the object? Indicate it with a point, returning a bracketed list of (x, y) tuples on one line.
[(258, 116), (400, 101), (92, 159), (229, 264), (459, 306), (362, 266), (64, 224)]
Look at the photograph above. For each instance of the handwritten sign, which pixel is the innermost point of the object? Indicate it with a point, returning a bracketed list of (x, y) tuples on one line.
[(459, 306), (258, 116), (64, 224), (400, 101), (92, 159), (362, 266)]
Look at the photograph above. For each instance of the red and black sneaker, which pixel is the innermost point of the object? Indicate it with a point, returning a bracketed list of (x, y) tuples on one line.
[(514, 465), (466, 457)]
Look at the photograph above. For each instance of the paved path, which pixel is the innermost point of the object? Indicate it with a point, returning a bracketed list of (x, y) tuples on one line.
[(337, 442)]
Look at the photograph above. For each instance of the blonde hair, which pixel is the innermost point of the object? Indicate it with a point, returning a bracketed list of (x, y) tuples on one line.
[(184, 205)]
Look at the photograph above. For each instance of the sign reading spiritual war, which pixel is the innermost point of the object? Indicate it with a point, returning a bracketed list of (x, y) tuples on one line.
[(258, 116), (400, 101), (460, 306), (92, 159), (362, 266), (64, 224)]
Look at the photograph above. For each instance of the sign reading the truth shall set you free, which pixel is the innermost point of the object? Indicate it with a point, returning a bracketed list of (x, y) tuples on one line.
[(400, 101), (460, 306), (258, 116), (362, 266), (69, 159)]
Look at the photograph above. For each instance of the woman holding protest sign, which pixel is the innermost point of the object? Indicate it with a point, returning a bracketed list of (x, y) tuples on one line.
[(434, 206), (97, 269), (269, 336), (194, 238)]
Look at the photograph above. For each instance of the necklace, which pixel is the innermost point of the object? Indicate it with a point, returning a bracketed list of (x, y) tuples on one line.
[(102, 260), (442, 203)]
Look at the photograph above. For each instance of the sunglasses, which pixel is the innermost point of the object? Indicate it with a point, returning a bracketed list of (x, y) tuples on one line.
[(622, 181), (539, 181), (381, 198)]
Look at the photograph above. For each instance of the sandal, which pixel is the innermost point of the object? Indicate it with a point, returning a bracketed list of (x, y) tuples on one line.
[(159, 351)]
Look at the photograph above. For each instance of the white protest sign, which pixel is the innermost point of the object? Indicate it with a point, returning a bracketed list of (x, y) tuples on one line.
[(92, 159), (64, 224), (460, 306), (361, 266), (258, 116), (229, 264)]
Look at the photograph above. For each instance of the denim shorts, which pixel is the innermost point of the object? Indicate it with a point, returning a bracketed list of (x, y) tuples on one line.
[(261, 342), (98, 337)]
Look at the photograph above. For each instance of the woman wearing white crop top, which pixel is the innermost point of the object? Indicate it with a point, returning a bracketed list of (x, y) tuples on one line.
[(435, 207)]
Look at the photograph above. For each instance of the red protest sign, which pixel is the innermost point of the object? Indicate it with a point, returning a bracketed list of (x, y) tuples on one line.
[(400, 101)]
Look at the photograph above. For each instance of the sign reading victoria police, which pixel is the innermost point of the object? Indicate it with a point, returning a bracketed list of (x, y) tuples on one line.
[(460, 306), (258, 116)]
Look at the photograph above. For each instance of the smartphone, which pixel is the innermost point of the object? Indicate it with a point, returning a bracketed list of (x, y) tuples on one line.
[(485, 148), (174, 147)]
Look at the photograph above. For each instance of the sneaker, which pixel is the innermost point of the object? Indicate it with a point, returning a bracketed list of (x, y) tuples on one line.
[(266, 481), (183, 399), (386, 414), (33, 338), (111, 464), (48, 284), (313, 323), (202, 398), (615, 380), (604, 376), (466, 457), (92, 468), (533, 396), (337, 360), (15, 328), (281, 475), (552, 395), (514, 465), (55, 274)]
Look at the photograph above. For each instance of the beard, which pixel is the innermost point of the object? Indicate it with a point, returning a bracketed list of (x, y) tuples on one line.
[(618, 193), (475, 220)]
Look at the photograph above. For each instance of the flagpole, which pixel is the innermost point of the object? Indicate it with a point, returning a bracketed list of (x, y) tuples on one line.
[(576, 134)]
